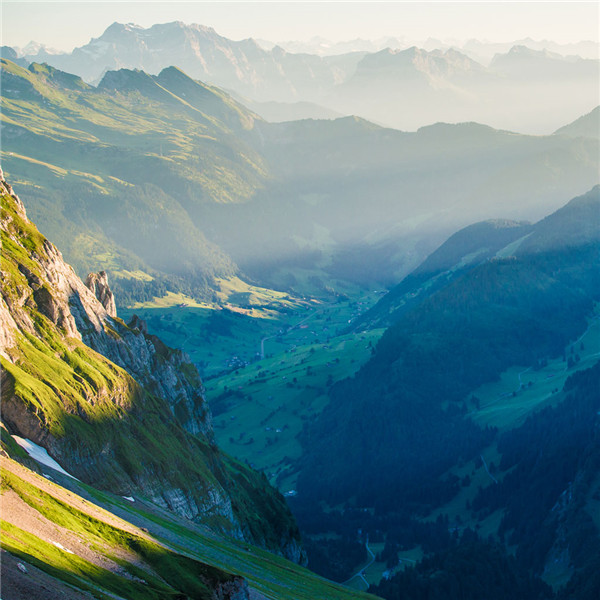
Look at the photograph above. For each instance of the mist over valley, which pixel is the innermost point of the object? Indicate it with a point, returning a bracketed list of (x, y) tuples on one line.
[(308, 319)]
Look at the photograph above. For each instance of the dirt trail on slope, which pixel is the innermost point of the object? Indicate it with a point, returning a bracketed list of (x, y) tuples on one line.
[(68, 497), (17, 512)]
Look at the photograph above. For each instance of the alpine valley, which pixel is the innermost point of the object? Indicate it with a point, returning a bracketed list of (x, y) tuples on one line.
[(300, 353)]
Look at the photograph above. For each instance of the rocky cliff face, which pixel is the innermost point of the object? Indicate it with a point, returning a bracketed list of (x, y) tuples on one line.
[(113, 404), (88, 313), (98, 284)]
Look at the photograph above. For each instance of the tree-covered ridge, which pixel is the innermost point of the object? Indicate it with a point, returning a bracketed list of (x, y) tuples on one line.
[(390, 435), (548, 495), (464, 250), (513, 310)]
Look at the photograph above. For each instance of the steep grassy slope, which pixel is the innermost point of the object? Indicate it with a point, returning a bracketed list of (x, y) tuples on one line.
[(89, 549), (105, 546), (134, 155), (139, 426)]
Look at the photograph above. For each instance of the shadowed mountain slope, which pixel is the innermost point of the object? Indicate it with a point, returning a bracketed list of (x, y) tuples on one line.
[(510, 310)]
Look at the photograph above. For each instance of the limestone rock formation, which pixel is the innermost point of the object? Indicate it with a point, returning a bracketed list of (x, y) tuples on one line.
[(98, 284)]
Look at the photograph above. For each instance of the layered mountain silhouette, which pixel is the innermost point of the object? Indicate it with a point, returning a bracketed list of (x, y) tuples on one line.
[(211, 189), (510, 296), (404, 88), (178, 164), (495, 295)]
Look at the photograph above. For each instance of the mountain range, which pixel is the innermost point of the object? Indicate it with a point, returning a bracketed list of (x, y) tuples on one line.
[(399, 328), (480, 51), (83, 384), (405, 88), (213, 190)]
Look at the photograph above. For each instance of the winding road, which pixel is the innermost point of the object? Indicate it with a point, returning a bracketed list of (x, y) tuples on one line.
[(487, 470), (361, 572), (270, 337)]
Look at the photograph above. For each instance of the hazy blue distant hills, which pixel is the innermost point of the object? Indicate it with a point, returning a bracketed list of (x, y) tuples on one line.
[(478, 50), (487, 50), (398, 87), (585, 126), (522, 62), (412, 62), (278, 112), (403, 88), (210, 188), (371, 200)]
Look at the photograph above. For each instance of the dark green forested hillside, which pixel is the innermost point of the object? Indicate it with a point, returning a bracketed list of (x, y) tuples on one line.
[(391, 436), (464, 250), (550, 497), (513, 310)]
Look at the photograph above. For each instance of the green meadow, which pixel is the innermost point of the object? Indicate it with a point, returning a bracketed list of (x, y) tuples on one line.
[(267, 359), (506, 402)]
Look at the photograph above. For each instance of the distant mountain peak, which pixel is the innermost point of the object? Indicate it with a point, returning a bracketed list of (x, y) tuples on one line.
[(434, 62), (126, 80), (174, 71), (520, 52), (587, 125), (34, 47), (118, 29), (57, 77)]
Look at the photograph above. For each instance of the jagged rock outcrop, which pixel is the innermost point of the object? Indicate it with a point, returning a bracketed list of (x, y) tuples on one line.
[(88, 313), (98, 284), (111, 403), (232, 590)]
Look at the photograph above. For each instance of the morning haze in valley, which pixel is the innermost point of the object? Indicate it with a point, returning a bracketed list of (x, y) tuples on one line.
[(300, 301)]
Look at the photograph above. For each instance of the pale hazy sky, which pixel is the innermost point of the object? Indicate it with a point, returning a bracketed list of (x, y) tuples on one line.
[(64, 25)]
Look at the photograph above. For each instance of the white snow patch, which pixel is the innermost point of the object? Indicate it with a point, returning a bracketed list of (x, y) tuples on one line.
[(130, 498), (59, 545), (41, 455)]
